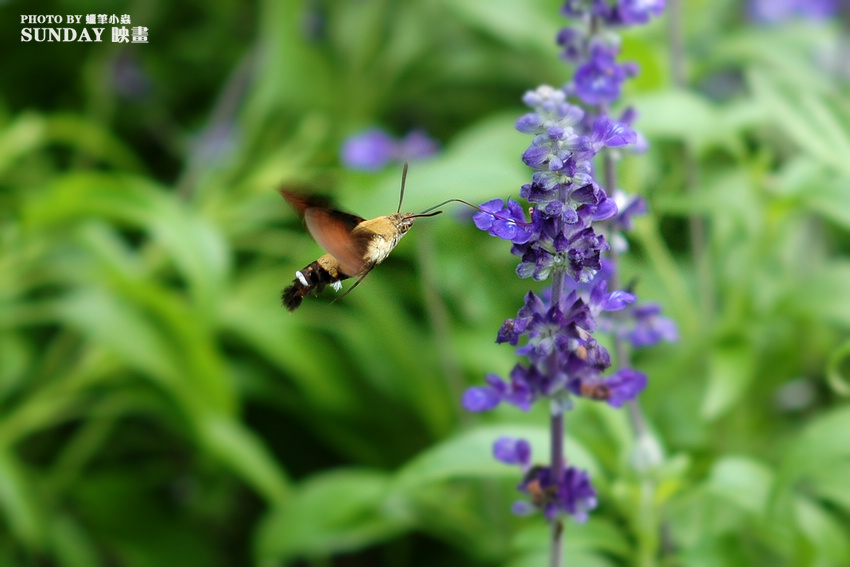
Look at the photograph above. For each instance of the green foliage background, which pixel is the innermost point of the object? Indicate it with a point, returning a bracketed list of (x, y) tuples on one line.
[(159, 407)]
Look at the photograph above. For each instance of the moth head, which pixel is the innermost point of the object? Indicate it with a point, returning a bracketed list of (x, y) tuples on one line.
[(403, 221)]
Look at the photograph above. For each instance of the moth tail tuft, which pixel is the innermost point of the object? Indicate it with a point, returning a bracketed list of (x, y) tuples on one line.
[(312, 279)]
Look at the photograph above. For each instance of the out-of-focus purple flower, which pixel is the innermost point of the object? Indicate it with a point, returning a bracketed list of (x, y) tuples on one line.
[(512, 451), (215, 143), (572, 494), (373, 149), (635, 12), (628, 206), (624, 385), (776, 11), (416, 145), (572, 42), (127, 77), (647, 327), (526, 384), (368, 151), (481, 398), (599, 80)]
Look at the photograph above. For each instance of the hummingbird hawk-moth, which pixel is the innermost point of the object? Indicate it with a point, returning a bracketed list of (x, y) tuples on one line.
[(354, 245)]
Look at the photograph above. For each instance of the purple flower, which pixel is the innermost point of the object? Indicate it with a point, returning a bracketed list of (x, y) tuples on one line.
[(572, 494), (607, 133), (648, 327), (572, 41), (775, 11), (127, 77), (481, 398), (369, 151), (416, 145), (504, 221), (518, 392), (599, 80), (624, 386), (600, 300), (512, 451), (373, 149), (633, 12), (628, 206)]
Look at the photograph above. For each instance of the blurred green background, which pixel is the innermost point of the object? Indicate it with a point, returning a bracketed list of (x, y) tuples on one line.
[(159, 407)]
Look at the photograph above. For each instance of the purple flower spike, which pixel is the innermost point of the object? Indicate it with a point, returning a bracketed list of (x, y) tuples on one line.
[(556, 236)]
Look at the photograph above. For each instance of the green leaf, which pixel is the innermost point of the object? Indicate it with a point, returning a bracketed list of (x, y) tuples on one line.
[(741, 481), (570, 558), (245, 453), (198, 251), (498, 18), (808, 117), (837, 369), (23, 135), (470, 455), (825, 532), (732, 368), (832, 483), (690, 118), (330, 513), (123, 329), (22, 514), (824, 442), (827, 295), (597, 534), (71, 542), (255, 315)]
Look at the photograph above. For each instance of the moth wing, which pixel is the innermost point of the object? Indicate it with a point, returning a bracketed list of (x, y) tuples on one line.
[(301, 202), (332, 230)]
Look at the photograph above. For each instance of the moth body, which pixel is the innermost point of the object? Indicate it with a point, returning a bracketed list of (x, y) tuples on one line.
[(382, 235), (354, 245)]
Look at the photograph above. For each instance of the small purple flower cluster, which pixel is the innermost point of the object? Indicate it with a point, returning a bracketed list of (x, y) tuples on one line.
[(775, 11), (373, 149), (573, 492), (558, 239)]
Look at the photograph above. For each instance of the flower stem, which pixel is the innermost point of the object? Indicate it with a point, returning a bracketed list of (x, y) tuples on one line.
[(557, 418), (557, 527)]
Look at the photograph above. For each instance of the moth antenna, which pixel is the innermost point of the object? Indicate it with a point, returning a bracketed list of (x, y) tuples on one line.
[(423, 213), (403, 180)]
